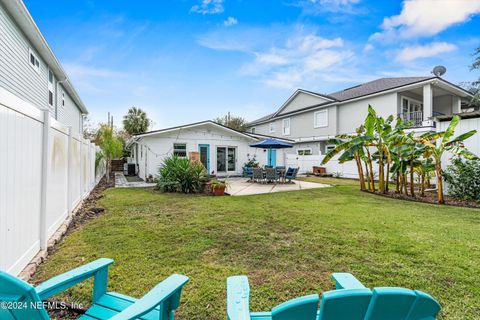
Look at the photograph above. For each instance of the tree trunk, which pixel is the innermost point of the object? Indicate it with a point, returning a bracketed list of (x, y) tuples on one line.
[(387, 176), (412, 182), (422, 184), (404, 176), (372, 180), (438, 171), (397, 183), (360, 172), (367, 174), (381, 178)]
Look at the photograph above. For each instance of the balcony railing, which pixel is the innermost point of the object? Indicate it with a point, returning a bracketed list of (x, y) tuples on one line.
[(416, 118)]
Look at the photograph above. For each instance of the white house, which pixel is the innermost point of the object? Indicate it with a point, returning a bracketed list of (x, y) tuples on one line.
[(30, 71), (310, 119), (223, 151)]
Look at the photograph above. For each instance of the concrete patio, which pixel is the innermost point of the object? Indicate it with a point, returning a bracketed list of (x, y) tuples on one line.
[(243, 187)]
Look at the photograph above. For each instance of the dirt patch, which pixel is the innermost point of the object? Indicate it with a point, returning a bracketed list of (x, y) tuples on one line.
[(430, 197), (89, 210)]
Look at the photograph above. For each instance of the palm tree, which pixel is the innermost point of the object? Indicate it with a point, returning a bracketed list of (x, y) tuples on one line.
[(136, 121), (454, 146)]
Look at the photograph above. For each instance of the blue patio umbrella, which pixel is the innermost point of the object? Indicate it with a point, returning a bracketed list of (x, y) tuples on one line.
[(271, 144)]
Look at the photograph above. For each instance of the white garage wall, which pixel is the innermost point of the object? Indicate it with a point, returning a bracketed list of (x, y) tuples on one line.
[(45, 172)]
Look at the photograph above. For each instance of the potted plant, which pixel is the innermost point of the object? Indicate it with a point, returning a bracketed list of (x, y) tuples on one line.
[(218, 187)]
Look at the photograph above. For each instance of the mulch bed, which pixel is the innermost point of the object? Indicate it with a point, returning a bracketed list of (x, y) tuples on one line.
[(430, 197), (88, 211)]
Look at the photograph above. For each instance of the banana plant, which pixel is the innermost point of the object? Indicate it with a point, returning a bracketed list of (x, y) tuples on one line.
[(447, 143)]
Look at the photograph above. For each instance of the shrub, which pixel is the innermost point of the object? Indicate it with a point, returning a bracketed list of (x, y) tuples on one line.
[(180, 175), (251, 162), (463, 178)]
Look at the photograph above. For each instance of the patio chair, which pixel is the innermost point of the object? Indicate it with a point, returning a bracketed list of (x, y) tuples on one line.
[(258, 174), (160, 303), (350, 301), (291, 174), (248, 172), (271, 175)]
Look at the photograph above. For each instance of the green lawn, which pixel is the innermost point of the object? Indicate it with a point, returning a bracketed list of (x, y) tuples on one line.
[(287, 243)]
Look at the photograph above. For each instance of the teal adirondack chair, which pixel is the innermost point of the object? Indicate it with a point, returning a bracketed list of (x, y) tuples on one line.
[(159, 304), (350, 301)]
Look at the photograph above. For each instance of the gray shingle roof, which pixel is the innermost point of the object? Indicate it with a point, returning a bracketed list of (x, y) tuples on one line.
[(375, 86)]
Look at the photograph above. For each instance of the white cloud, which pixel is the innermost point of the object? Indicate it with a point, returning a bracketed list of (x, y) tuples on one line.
[(231, 21), (208, 7), (368, 47), (302, 59), (424, 51), (426, 18), (336, 6)]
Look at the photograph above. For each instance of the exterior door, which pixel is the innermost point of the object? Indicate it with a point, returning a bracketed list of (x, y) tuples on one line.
[(204, 150), (226, 159), (272, 157)]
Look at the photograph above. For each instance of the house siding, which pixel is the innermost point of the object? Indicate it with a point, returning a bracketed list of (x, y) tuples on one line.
[(21, 79), (352, 115), (16, 74), (302, 100), (69, 114)]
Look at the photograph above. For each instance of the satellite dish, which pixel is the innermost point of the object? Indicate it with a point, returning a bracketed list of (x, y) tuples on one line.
[(439, 71)]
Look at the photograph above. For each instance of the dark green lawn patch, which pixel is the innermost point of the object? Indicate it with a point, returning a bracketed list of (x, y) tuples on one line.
[(287, 243)]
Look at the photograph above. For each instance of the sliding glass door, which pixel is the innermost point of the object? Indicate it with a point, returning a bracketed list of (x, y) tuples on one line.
[(226, 159)]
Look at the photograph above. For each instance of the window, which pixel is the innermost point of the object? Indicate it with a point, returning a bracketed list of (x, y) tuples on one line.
[(286, 127), (272, 127), (320, 119), (253, 130), (51, 79), (180, 150), (304, 152), (63, 99), (34, 62), (329, 147)]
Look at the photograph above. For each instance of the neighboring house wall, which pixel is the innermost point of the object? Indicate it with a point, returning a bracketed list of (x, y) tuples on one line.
[(302, 125), (302, 100), (16, 73), (352, 115), (18, 76), (69, 114)]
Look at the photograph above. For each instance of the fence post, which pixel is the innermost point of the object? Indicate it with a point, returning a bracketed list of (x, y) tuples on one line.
[(69, 171), (44, 181)]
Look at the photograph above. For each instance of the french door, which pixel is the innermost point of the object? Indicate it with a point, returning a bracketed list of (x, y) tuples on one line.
[(226, 159)]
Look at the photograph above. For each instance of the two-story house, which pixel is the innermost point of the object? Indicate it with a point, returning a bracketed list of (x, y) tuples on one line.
[(311, 119), (30, 71)]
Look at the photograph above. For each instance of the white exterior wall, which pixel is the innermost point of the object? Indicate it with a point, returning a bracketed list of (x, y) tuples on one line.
[(70, 114), (302, 100), (37, 172), (152, 150), (351, 115)]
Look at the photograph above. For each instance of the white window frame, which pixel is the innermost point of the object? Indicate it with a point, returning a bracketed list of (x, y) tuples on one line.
[(409, 101), (284, 131), (272, 127), (304, 149), (36, 65), (323, 125), (329, 146), (180, 143), (63, 99)]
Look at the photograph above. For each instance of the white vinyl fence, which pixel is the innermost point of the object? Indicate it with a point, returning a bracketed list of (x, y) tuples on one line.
[(306, 163), (45, 172)]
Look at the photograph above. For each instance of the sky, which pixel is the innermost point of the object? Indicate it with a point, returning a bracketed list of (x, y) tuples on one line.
[(187, 61)]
